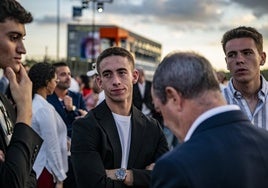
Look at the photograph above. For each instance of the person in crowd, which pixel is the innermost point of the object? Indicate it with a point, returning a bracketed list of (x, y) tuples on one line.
[(92, 99), (51, 163), (74, 86), (142, 97), (222, 79), (220, 147), (3, 84), (85, 85), (19, 143), (243, 48), (70, 106), (115, 144), (96, 96)]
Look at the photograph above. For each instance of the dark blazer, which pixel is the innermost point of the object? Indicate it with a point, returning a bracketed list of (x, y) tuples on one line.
[(226, 150), (20, 154), (68, 116), (96, 147), (147, 99)]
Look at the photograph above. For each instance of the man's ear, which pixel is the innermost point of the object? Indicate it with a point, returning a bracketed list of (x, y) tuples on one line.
[(135, 76), (99, 81), (227, 64), (173, 97), (263, 58)]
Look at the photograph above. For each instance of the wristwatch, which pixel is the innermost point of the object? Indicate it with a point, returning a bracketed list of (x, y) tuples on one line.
[(121, 174)]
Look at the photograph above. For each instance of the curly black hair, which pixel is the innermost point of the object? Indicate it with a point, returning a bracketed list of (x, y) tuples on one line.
[(40, 74)]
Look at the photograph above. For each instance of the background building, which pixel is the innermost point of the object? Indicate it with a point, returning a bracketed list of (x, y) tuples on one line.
[(85, 43)]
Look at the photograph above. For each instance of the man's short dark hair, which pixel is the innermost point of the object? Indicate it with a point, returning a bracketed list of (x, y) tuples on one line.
[(60, 64), (11, 9), (115, 51), (243, 32)]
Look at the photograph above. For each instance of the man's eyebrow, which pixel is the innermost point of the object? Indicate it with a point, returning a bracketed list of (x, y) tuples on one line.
[(16, 33), (121, 69), (105, 71)]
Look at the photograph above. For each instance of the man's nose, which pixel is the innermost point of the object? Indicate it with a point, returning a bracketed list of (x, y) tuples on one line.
[(20, 48)]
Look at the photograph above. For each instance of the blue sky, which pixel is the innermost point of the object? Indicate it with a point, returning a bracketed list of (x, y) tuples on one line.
[(177, 24)]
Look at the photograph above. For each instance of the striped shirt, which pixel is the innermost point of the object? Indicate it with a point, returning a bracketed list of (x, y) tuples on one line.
[(259, 117)]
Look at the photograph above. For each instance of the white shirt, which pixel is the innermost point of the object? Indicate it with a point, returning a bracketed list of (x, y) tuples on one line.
[(74, 85), (124, 130), (206, 115), (52, 129), (145, 110)]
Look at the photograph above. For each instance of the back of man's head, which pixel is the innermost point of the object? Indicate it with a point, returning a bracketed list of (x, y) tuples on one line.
[(188, 72), (11, 9)]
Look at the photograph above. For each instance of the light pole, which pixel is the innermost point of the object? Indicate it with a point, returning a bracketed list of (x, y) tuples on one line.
[(99, 9), (58, 29), (93, 34)]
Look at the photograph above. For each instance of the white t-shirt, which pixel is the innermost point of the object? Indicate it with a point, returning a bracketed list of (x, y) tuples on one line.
[(123, 125)]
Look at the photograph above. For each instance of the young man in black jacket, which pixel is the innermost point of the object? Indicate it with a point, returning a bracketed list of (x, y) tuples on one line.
[(19, 144)]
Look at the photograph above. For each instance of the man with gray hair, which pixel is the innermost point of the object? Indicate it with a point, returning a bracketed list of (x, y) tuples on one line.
[(220, 146)]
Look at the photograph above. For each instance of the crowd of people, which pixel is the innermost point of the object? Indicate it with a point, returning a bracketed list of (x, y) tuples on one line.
[(117, 129)]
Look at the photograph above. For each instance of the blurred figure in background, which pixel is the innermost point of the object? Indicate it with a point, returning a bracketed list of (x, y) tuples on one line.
[(4, 83), (86, 84), (142, 99), (74, 85), (51, 163), (70, 106), (221, 76), (92, 99)]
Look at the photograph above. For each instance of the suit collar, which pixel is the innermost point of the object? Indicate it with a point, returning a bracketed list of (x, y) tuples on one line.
[(222, 119), (138, 121), (105, 118)]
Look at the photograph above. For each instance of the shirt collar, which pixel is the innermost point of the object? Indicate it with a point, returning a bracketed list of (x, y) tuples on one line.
[(261, 93), (208, 114)]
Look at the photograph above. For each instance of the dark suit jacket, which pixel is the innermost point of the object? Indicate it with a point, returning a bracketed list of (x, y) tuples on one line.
[(96, 147), (68, 116), (226, 150), (20, 154), (147, 99)]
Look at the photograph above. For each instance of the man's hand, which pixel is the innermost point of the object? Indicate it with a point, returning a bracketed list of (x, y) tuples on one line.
[(59, 185), (150, 167), (129, 178), (68, 102), (82, 112), (21, 91), (111, 174)]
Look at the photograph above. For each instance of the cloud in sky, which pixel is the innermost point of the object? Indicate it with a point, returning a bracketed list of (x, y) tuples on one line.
[(177, 24), (258, 7), (172, 11)]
